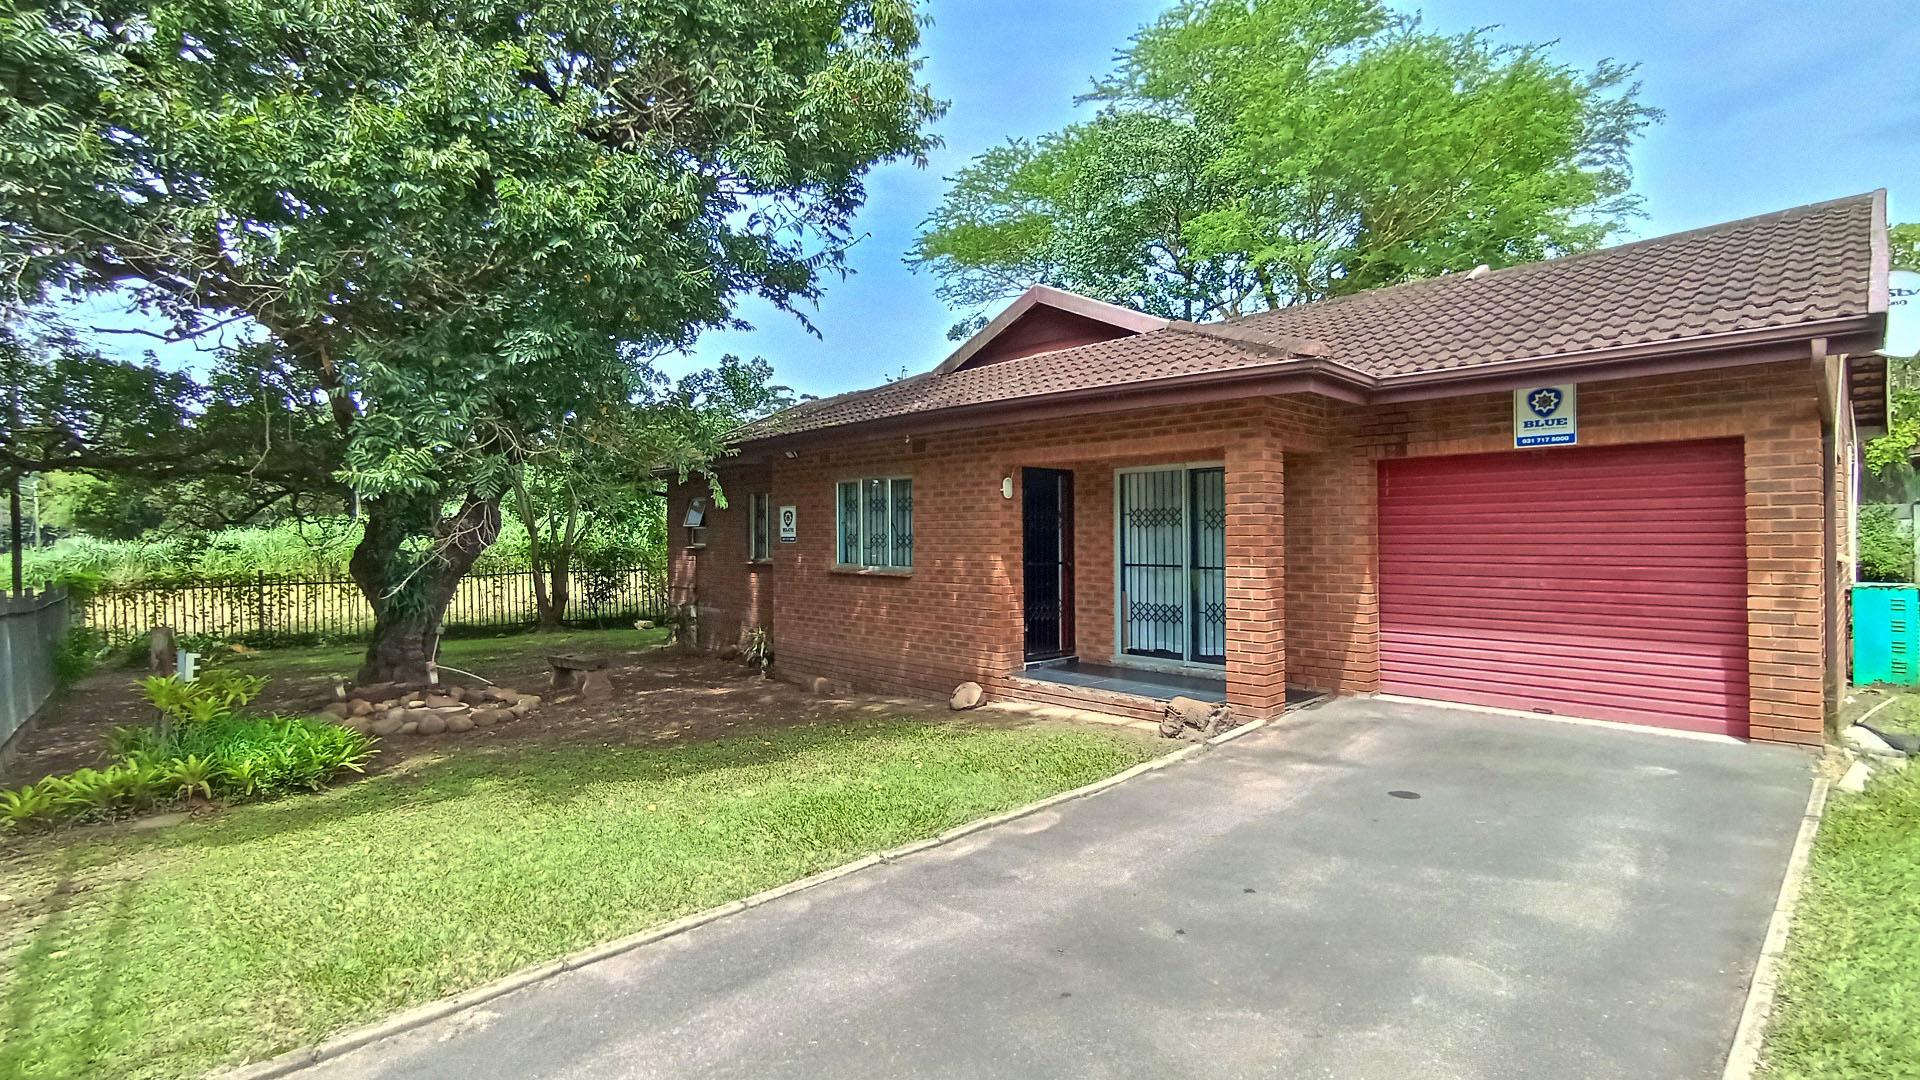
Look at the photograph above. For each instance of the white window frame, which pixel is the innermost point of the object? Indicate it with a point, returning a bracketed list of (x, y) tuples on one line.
[(760, 527), (1122, 658), (840, 525)]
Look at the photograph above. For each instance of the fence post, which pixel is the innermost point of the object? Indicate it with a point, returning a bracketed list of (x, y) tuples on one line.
[(260, 604)]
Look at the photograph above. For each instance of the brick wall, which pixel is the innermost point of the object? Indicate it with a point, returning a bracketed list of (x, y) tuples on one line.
[(730, 592), (1302, 481), (956, 617), (1333, 618)]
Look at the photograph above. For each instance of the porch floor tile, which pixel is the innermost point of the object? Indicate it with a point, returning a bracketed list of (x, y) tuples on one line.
[(1158, 685)]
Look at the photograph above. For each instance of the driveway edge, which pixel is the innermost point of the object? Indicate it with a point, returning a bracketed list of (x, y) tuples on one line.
[(1743, 1058), (420, 1015)]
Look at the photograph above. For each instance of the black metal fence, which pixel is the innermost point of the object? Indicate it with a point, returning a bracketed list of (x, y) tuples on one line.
[(270, 610)]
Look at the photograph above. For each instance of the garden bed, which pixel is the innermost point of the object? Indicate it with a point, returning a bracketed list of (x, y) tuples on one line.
[(659, 697)]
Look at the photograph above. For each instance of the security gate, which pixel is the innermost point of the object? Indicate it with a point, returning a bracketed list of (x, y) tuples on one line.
[(1047, 562), (1172, 563)]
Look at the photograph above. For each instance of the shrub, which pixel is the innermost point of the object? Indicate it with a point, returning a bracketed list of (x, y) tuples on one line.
[(192, 775), (78, 651), (1885, 545), (30, 805), (215, 695), (257, 757), (209, 750)]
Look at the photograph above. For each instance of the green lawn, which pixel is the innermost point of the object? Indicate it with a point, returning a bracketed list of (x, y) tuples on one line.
[(265, 927), (469, 653), (1849, 1002)]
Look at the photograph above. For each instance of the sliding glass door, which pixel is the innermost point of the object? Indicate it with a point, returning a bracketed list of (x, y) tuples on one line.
[(1172, 578)]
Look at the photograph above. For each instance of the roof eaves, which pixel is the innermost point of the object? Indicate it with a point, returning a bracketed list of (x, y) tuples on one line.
[(1702, 343)]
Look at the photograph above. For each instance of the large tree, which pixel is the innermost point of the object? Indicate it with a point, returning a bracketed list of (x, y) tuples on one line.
[(463, 219), (128, 435), (577, 488), (1255, 154)]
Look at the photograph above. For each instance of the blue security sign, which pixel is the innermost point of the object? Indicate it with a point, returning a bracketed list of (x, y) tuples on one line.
[(1546, 416)]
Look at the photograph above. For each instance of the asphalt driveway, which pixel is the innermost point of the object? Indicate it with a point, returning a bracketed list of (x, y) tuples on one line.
[(1557, 901)]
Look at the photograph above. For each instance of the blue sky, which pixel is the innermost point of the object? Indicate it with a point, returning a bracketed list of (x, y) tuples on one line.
[(1769, 104)]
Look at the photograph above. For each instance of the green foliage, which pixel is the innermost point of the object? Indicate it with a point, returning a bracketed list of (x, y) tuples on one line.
[(209, 752), (249, 757), (1894, 451), (1904, 241), (214, 695), (76, 654), (126, 446), (99, 794), (1255, 154), (193, 775), (31, 805), (1885, 545), (444, 229)]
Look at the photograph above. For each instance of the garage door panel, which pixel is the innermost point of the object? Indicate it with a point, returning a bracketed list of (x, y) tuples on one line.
[(1666, 632), (1690, 589), (1608, 709), (1711, 662), (1444, 503), (1585, 569), (1608, 582), (1579, 698), (1714, 644), (1576, 598)]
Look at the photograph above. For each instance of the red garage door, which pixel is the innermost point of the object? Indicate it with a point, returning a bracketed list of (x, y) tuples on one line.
[(1608, 583)]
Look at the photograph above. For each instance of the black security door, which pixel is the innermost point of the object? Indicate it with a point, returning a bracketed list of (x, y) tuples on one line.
[(1047, 555)]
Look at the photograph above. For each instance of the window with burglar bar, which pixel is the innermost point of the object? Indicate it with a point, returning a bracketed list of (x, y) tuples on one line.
[(874, 523), (759, 527)]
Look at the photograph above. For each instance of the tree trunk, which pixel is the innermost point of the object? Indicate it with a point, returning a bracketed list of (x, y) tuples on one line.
[(560, 594), (553, 599), (409, 591)]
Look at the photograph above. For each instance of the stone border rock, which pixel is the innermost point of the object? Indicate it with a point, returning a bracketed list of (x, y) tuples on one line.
[(1743, 1057), (387, 710), (421, 1015)]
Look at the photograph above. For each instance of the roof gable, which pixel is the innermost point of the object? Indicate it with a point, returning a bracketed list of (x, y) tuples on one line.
[(1045, 319)]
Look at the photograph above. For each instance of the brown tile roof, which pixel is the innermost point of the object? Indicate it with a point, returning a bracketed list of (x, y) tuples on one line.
[(1795, 266), (1128, 361), (1805, 265)]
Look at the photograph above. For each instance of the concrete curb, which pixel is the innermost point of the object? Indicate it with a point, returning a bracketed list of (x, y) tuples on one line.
[(421, 1015), (1744, 1056)]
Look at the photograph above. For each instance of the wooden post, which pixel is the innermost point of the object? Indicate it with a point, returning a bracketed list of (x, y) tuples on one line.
[(13, 531)]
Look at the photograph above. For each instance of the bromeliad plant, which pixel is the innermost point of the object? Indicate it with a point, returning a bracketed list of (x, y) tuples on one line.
[(205, 749), (215, 695)]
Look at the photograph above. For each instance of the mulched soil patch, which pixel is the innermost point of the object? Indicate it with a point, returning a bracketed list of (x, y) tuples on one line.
[(660, 697)]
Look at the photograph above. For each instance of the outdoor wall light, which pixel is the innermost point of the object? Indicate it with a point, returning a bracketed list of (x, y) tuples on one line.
[(1006, 487)]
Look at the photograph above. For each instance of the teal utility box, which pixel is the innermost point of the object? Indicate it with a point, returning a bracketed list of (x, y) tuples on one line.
[(1886, 634)]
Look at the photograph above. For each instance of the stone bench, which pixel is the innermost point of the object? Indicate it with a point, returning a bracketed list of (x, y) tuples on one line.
[(586, 675)]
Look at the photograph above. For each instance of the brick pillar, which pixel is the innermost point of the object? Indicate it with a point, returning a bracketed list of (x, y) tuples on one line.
[(1256, 579), (1786, 552)]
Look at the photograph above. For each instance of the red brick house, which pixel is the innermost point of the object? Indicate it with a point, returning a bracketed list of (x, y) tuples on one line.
[(1614, 485)]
